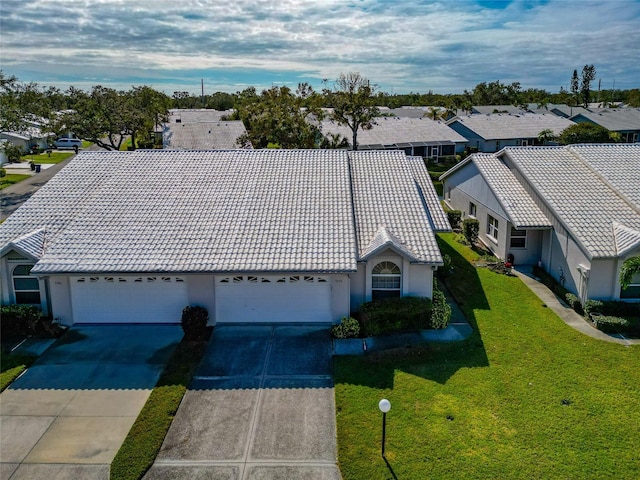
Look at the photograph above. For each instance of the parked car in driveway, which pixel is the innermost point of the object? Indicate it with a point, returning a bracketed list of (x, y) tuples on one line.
[(68, 143)]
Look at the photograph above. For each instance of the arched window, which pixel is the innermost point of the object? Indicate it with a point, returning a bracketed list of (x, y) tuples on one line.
[(386, 278), (26, 287)]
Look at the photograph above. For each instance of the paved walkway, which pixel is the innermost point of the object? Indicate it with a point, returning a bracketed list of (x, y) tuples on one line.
[(260, 407), (568, 315), (68, 415)]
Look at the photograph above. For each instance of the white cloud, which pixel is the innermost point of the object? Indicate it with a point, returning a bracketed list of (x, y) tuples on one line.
[(409, 45)]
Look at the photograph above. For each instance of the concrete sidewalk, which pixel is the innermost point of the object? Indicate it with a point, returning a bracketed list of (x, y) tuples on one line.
[(261, 406), (567, 314), (68, 415)]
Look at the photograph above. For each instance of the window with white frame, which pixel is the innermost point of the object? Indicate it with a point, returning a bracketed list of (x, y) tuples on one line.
[(25, 287), (633, 289), (386, 279), (492, 227), (472, 209), (518, 238)]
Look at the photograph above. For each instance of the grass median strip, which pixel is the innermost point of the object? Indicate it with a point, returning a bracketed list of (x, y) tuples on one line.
[(145, 438), (12, 367), (526, 396)]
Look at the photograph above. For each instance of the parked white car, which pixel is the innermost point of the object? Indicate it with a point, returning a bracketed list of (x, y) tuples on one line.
[(68, 143)]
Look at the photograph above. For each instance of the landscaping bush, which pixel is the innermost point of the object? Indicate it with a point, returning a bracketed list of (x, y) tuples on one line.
[(592, 307), (347, 328), (574, 302), (3, 172), (18, 320), (440, 310), (550, 282), (470, 229), (454, 216), (610, 324), (394, 315), (194, 322)]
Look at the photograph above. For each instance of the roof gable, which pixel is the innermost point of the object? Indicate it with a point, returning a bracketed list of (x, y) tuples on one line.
[(384, 239), (627, 239), (31, 245)]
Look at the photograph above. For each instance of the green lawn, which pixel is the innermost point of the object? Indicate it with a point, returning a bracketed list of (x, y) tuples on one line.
[(525, 397), (10, 179), (55, 157), (11, 366)]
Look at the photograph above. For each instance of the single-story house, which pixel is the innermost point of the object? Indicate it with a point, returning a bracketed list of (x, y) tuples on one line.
[(415, 136), (197, 115), (559, 109), (251, 235), (489, 109), (490, 133), (220, 135), (32, 136), (574, 210), (625, 121)]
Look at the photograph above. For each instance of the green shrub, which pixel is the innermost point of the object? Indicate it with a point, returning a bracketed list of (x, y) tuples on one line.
[(3, 172), (18, 320), (574, 302), (470, 229), (394, 315), (194, 322), (454, 216), (441, 310), (461, 239), (610, 324), (347, 328), (621, 309), (592, 307)]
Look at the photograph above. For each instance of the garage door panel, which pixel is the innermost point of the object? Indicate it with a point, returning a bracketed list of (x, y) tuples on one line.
[(128, 299), (273, 299)]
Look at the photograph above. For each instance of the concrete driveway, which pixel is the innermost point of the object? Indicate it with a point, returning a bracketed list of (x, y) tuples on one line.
[(68, 415), (260, 407)]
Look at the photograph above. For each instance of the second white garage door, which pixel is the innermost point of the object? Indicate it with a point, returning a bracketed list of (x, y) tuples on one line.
[(286, 298), (128, 299)]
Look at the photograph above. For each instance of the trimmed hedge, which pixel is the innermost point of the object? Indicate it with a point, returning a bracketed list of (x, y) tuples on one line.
[(394, 315), (194, 323), (348, 327), (574, 302), (610, 324), (471, 229), (454, 217), (441, 310), (20, 320)]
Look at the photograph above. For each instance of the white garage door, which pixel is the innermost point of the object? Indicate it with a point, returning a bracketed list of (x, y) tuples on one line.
[(128, 299), (260, 298)]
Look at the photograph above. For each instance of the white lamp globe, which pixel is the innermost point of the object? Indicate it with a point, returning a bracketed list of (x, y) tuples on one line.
[(384, 405)]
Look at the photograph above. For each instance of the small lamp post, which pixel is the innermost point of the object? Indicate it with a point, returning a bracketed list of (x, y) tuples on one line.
[(384, 405)]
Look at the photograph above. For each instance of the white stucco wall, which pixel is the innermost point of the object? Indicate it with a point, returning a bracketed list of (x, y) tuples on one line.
[(340, 299), (358, 287), (200, 292), (60, 292)]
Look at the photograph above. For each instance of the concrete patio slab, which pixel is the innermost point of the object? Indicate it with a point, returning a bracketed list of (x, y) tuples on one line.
[(81, 440), (179, 472), (34, 402), (7, 469), (287, 472), (19, 434), (295, 424), (61, 472), (33, 346), (212, 425)]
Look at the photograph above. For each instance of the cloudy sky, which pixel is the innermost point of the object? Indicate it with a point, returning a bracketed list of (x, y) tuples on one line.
[(405, 45)]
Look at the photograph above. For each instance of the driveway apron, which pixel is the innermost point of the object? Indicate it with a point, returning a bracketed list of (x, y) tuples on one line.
[(261, 406), (68, 415)]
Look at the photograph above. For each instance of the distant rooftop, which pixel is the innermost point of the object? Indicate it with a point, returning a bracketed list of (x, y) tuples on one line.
[(502, 126)]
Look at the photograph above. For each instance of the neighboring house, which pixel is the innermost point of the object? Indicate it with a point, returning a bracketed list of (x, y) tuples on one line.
[(203, 135), (490, 133), (252, 235), (489, 109), (415, 136), (575, 210), (32, 136), (559, 109), (625, 121), (197, 115)]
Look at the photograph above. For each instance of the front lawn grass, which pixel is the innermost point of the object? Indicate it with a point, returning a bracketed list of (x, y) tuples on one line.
[(140, 448), (524, 397), (11, 178), (11, 366), (55, 157)]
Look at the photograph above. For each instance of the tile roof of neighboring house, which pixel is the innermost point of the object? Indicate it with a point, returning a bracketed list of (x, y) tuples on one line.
[(556, 108), (202, 136), (616, 120), (516, 202), (223, 211), (196, 115), (486, 109), (403, 132), (506, 126), (586, 196)]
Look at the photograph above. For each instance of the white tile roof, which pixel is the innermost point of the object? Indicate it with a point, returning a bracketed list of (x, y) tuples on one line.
[(616, 120), (196, 115), (222, 211), (573, 185), (397, 130), (33, 243), (626, 238), (506, 126), (437, 215), (516, 202), (381, 183), (487, 109), (202, 136)]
